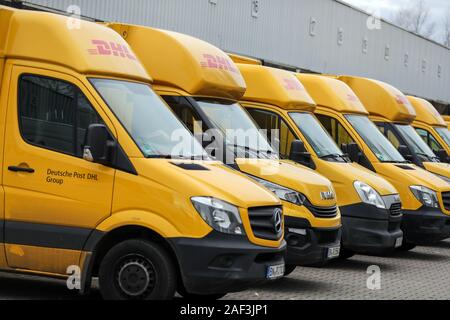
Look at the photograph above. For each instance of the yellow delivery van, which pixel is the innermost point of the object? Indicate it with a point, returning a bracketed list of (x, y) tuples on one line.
[(431, 126), (425, 197), (89, 186), (370, 206), (393, 114), (202, 85)]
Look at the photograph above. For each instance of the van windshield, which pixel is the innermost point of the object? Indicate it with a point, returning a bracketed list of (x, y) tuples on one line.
[(444, 133), (319, 139), (238, 128), (375, 140), (415, 142), (151, 124)]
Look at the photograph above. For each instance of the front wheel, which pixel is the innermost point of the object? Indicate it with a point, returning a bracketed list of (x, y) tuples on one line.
[(289, 268), (137, 270), (406, 246)]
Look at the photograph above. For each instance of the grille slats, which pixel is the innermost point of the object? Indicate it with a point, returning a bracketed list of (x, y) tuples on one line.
[(396, 209), (446, 200), (263, 224), (322, 212)]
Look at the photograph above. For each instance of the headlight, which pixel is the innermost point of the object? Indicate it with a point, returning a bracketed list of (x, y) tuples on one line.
[(220, 215), (369, 195), (443, 178), (281, 192), (426, 196)]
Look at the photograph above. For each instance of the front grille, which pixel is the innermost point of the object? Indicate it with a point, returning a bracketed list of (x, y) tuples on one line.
[(446, 200), (262, 221), (396, 209), (322, 212)]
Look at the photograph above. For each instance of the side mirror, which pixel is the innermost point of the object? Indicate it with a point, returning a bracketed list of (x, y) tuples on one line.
[(442, 155), (98, 148), (353, 151), (404, 151), (300, 155)]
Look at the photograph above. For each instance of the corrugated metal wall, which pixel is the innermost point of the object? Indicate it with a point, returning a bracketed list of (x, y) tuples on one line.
[(281, 32)]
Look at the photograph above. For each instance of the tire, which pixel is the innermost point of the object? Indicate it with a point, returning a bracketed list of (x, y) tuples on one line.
[(406, 246), (137, 270), (289, 268), (345, 254)]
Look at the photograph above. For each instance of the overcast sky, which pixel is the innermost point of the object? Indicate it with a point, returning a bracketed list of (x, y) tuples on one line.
[(387, 9)]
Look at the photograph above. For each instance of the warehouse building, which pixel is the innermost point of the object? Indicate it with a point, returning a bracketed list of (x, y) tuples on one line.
[(323, 36)]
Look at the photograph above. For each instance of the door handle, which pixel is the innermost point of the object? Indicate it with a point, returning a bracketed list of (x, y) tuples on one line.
[(20, 169)]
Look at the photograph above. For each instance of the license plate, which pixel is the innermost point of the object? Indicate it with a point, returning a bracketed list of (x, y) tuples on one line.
[(399, 242), (275, 272), (334, 252)]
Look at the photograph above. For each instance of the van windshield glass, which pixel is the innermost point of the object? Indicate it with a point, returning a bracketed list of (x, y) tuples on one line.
[(317, 136), (444, 133), (375, 140), (151, 124), (415, 142), (238, 128)]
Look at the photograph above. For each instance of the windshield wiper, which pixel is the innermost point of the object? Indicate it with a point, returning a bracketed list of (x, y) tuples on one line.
[(428, 156), (334, 156)]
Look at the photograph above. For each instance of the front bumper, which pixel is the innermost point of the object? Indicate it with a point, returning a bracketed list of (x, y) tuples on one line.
[(367, 229), (309, 246), (222, 263), (425, 226)]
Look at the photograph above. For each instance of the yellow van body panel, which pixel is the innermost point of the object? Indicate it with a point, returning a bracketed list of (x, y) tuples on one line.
[(332, 93), (45, 37), (207, 71), (439, 168), (276, 87), (381, 99), (243, 59)]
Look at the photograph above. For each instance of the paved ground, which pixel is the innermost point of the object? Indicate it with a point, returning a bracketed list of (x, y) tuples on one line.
[(420, 274)]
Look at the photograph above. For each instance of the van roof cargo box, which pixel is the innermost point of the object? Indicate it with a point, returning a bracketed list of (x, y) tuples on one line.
[(184, 62), (381, 99), (426, 112), (329, 92), (83, 46), (276, 87)]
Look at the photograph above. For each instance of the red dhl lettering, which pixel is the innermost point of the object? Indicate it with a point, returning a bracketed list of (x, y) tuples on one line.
[(218, 62), (402, 100), (292, 84), (105, 48)]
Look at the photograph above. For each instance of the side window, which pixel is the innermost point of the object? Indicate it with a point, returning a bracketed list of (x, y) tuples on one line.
[(271, 121), (335, 129), (389, 134), (54, 114), (429, 140), (185, 113)]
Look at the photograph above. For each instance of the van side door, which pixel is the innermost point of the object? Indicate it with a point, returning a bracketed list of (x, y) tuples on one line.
[(53, 198)]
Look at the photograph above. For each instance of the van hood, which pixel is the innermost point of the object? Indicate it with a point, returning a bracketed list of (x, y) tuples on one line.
[(346, 174), (411, 175), (290, 175), (205, 178), (442, 169)]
